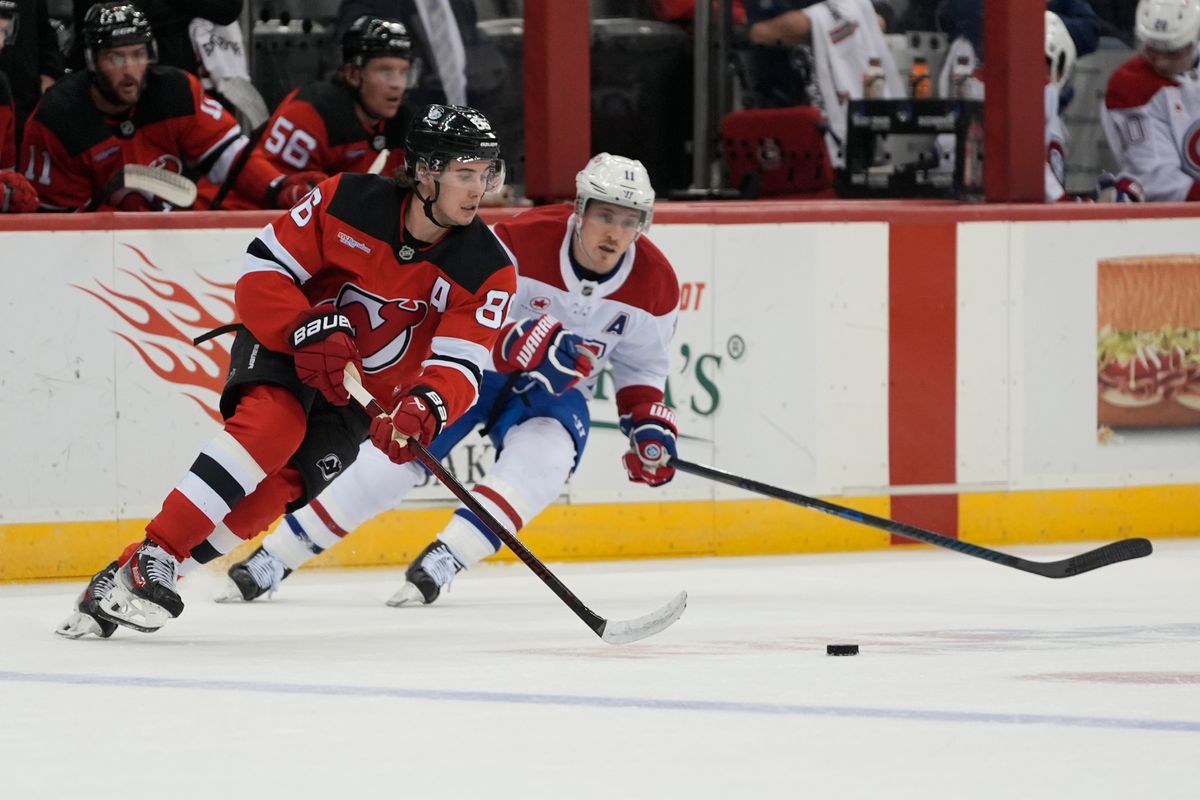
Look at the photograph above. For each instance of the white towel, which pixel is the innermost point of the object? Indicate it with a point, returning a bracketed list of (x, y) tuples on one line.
[(846, 37)]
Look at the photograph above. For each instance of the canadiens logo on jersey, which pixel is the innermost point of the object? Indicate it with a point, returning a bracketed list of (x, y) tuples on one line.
[(383, 328), (1191, 150)]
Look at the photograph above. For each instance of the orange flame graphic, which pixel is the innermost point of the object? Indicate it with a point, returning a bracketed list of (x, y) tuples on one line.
[(166, 321)]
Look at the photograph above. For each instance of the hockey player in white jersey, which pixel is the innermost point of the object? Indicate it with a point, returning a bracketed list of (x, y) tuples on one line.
[(1151, 111), (1060, 64), (617, 296)]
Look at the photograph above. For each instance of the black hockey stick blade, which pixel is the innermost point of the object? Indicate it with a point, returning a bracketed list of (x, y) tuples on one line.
[(611, 631), (1113, 553)]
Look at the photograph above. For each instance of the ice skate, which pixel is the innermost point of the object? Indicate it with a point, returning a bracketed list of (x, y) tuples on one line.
[(143, 596), (253, 577), (87, 617), (427, 575)]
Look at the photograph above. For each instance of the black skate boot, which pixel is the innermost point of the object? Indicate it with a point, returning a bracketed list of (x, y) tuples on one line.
[(87, 617), (143, 596), (253, 577), (427, 575)]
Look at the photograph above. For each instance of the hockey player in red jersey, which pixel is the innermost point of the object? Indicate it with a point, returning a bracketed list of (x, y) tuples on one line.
[(123, 109), (617, 296), (338, 125), (17, 196), (407, 286), (1151, 112)]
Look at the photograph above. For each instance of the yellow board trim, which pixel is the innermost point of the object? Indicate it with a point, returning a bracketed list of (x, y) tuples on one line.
[(60, 550)]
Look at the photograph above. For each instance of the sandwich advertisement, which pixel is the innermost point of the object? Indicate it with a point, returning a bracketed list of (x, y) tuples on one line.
[(1148, 342)]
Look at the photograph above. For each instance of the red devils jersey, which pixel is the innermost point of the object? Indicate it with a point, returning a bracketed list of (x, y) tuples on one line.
[(421, 316), (8, 133), (630, 315), (71, 149), (316, 128)]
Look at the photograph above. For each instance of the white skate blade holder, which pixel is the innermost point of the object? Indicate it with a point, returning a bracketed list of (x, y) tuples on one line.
[(78, 625), (136, 612)]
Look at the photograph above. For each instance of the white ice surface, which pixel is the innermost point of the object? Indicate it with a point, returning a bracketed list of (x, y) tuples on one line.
[(974, 681)]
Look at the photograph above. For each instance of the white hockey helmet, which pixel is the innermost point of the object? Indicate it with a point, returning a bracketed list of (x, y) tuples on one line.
[(617, 180), (1060, 50), (1167, 25)]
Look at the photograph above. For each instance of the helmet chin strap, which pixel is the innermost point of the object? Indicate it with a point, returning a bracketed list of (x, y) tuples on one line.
[(427, 204)]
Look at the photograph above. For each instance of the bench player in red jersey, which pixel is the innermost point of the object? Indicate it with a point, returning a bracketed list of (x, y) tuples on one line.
[(405, 284), (124, 109), (342, 124), (17, 196)]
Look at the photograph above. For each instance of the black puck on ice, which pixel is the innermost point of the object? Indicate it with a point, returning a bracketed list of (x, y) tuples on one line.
[(841, 649)]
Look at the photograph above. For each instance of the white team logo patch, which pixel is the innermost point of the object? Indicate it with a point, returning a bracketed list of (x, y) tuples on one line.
[(406, 253), (1191, 150), (330, 466)]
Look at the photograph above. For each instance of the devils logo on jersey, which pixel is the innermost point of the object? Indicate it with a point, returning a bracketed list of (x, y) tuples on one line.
[(383, 328)]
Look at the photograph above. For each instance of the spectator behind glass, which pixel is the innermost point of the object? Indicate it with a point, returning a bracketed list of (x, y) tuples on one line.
[(170, 20), (32, 62)]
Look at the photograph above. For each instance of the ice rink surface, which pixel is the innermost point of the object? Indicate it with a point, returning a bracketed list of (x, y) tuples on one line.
[(974, 681)]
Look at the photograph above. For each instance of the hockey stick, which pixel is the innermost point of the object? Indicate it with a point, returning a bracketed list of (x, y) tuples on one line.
[(611, 631), (377, 165), (168, 186), (1122, 550)]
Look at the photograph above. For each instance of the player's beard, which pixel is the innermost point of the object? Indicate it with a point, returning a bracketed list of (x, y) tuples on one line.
[(109, 92)]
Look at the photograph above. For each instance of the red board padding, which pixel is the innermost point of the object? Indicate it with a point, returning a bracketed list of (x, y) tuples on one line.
[(922, 263)]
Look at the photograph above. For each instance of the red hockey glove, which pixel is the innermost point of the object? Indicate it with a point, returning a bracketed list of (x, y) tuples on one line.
[(547, 352), (1118, 189), (286, 190), (322, 346), (420, 415), (17, 195), (651, 430)]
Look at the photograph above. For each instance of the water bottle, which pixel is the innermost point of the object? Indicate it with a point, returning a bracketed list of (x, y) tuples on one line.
[(920, 83), (874, 79), (961, 76)]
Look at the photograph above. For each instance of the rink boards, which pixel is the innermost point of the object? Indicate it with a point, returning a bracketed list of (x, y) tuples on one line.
[(933, 363)]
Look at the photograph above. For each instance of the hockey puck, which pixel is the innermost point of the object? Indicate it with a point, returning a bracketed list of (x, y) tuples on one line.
[(841, 649)]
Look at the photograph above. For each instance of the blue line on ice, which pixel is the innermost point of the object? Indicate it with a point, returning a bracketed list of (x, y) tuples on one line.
[(592, 701)]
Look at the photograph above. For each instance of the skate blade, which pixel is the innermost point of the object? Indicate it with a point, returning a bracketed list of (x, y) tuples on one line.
[(408, 595), (229, 593), (125, 608), (78, 625)]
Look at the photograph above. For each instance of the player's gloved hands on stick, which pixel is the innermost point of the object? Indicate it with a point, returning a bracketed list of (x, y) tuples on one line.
[(652, 432), (322, 345), (547, 352), (420, 415), (286, 190), (17, 195)]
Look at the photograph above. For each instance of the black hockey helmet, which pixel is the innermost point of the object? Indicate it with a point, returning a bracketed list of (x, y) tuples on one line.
[(12, 18), (439, 134), (115, 25), (368, 37)]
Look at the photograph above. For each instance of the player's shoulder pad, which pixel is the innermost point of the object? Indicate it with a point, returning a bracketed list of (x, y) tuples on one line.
[(653, 282), (471, 255), (169, 94), (1133, 84), (370, 203), (541, 220), (334, 103), (66, 110)]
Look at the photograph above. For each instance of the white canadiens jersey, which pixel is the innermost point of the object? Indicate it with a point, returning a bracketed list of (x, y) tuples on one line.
[(630, 315), (1153, 127)]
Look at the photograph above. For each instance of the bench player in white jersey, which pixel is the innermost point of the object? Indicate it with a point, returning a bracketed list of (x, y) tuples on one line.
[(1151, 112), (588, 266)]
